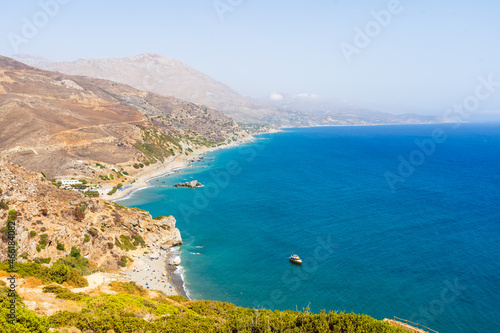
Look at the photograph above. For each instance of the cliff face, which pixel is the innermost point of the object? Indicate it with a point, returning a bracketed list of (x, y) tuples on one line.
[(97, 227)]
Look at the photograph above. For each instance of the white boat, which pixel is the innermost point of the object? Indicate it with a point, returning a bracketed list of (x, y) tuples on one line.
[(295, 259)]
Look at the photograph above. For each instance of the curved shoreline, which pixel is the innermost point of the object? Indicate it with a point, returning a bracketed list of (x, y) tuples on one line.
[(142, 181)]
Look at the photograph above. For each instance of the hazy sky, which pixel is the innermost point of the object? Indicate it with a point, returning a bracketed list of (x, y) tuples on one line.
[(418, 56)]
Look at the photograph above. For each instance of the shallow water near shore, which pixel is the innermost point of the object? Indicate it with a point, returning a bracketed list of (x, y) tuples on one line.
[(386, 225)]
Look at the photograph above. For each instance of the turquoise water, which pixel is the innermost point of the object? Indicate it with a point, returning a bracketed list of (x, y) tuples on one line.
[(389, 220)]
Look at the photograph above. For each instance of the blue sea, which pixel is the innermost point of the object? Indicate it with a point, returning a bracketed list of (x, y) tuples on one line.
[(389, 221)]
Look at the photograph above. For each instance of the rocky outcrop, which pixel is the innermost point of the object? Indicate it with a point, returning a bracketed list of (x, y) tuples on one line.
[(51, 220), (191, 184)]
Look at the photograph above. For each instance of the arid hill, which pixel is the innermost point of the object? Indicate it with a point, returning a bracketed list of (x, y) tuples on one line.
[(53, 122), (165, 76), (68, 218)]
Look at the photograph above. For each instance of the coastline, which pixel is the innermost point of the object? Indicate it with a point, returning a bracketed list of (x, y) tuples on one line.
[(158, 273), (178, 162)]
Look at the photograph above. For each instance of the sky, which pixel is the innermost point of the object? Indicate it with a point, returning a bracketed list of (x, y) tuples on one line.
[(420, 56)]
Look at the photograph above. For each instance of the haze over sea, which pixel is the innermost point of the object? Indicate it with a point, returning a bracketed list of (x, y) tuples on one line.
[(426, 249)]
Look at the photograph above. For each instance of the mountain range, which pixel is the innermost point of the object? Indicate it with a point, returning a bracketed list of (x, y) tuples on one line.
[(171, 77)]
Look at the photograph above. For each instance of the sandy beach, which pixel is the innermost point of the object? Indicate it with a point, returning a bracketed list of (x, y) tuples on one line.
[(150, 272), (157, 170)]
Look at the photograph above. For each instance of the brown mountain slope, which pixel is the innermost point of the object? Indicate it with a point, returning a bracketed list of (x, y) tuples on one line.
[(170, 77), (50, 121)]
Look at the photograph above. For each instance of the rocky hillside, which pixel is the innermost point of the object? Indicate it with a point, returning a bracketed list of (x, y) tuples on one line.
[(49, 221), (53, 122), (166, 76)]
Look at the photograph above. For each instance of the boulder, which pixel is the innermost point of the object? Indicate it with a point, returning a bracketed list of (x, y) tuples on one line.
[(191, 184)]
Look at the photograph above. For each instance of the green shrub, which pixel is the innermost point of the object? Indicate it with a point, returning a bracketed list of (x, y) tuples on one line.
[(138, 240), (92, 194), (113, 190), (86, 238), (178, 298), (58, 272), (3, 205), (123, 262), (125, 244), (80, 264), (75, 252), (32, 233), (42, 260), (43, 241)]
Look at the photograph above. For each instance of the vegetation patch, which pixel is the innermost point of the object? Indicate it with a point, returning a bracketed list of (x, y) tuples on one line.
[(124, 243), (130, 288), (42, 260), (58, 273), (63, 293), (92, 194), (3, 205)]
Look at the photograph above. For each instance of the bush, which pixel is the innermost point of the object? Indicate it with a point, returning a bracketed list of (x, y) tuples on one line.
[(178, 298), (92, 194), (60, 246), (124, 243), (130, 288), (113, 190), (79, 214), (138, 240), (32, 233), (43, 241), (123, 262), (86, 238), (80, 264), (3, 205), (42, 260), (75, 252), (63, 293)]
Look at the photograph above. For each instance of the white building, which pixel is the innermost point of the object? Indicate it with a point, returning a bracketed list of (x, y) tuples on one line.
[(70, 182)]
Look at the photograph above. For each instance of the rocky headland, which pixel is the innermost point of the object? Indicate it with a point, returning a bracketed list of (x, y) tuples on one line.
[(51, 220)]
